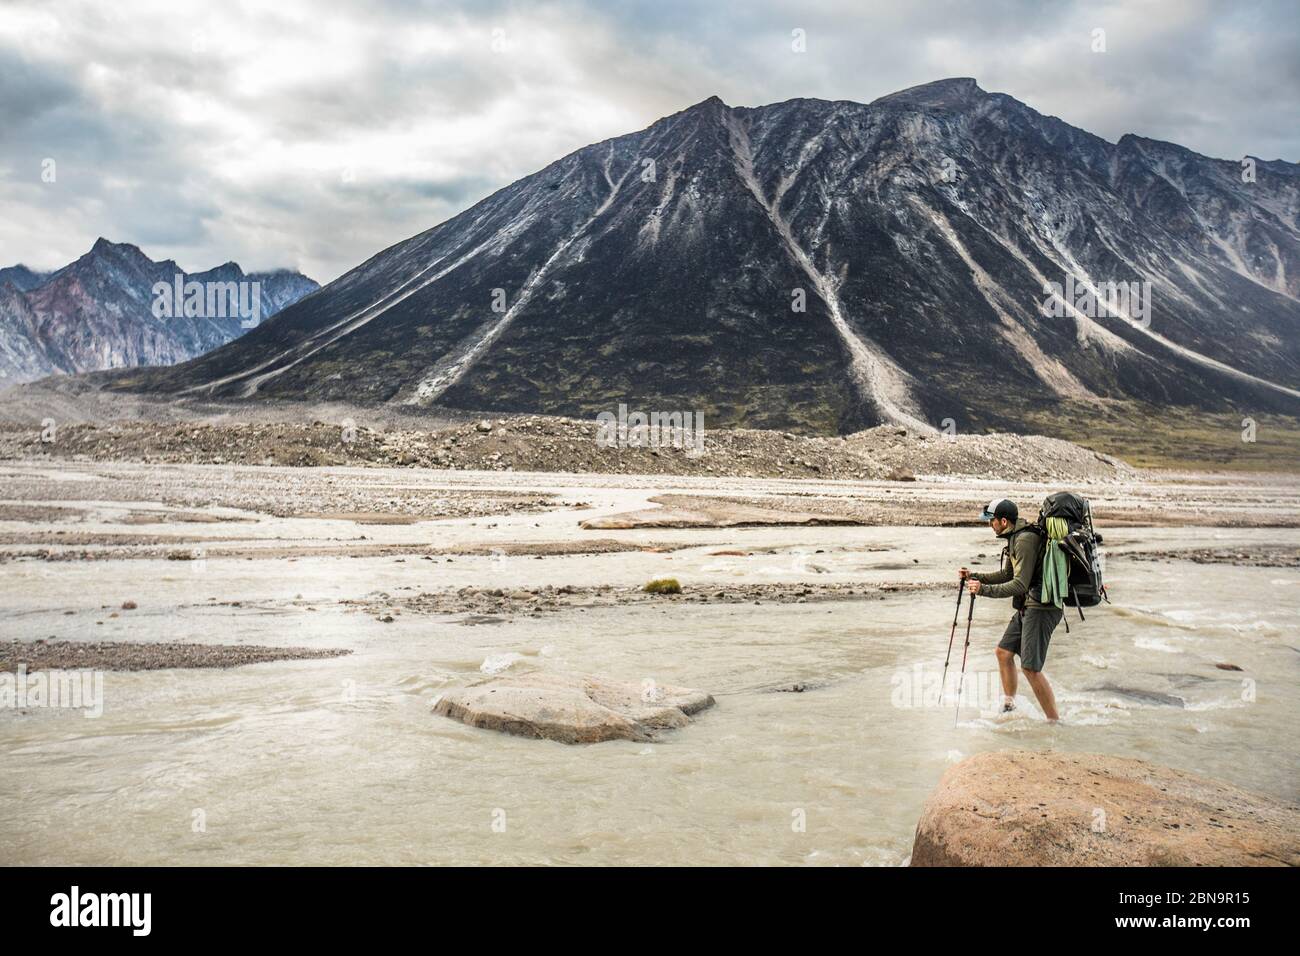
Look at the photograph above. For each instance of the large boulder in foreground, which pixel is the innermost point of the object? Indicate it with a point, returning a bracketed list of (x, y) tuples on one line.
[(572, 708), (1015, 808)]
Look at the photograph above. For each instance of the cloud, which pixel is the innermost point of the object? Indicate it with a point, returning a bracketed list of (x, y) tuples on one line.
[(313, 134)]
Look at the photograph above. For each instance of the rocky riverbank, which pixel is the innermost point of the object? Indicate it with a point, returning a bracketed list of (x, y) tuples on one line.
[(538, 443), (42, 655)]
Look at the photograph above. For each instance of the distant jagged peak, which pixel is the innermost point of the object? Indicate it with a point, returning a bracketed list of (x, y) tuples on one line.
[(104, 246), (22, 278), (106, 255), (107, 251), (229, 269), (272, 273)]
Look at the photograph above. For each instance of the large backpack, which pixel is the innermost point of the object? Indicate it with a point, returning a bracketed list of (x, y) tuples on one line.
[(1084, 587)]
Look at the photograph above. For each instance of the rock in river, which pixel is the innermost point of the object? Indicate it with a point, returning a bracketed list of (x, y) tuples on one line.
[(572, 708), (1016, 808)]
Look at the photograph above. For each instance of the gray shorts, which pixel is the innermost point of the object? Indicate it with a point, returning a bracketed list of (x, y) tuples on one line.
[(1030, 635)]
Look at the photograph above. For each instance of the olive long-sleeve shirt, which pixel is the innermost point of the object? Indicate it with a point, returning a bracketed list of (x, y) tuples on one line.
[(1014, 577)]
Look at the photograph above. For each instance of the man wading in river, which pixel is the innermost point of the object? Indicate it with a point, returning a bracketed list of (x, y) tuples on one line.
[(1032, 624)]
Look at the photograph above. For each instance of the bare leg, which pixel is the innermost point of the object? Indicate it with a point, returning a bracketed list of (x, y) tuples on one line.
[(1007, 670), (1043, 691)]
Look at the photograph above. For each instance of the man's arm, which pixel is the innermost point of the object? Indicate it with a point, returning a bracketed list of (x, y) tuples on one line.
[(1023, 554), (1000, 576)]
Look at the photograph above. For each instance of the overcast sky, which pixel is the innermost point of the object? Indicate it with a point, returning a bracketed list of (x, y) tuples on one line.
[(311, 134)]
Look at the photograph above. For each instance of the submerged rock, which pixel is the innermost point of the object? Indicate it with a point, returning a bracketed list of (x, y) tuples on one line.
[(1016, 808), (1153, 697), (572, 708)]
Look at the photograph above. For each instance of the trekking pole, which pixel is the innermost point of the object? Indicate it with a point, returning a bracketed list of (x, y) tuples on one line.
[(969, 614), (943, 685)]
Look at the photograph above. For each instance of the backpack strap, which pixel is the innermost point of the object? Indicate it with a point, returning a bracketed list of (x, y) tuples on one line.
[(1041, 532)]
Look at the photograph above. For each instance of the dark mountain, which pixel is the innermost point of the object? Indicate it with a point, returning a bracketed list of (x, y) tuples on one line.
[(923, 232), (97, 313)]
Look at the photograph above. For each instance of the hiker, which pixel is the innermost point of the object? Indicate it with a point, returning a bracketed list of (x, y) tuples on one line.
[(1032, 624)]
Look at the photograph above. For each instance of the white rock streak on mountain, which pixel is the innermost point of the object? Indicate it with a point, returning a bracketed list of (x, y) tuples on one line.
[(449, 371), (1051, 372), (1081, 277), (347, 326), (876, 374)]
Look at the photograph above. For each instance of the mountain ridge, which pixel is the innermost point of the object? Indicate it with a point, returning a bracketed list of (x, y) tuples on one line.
[(924, 230)]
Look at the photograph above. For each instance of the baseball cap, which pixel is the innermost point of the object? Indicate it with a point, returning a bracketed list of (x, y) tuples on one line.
[(1000, 508)]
